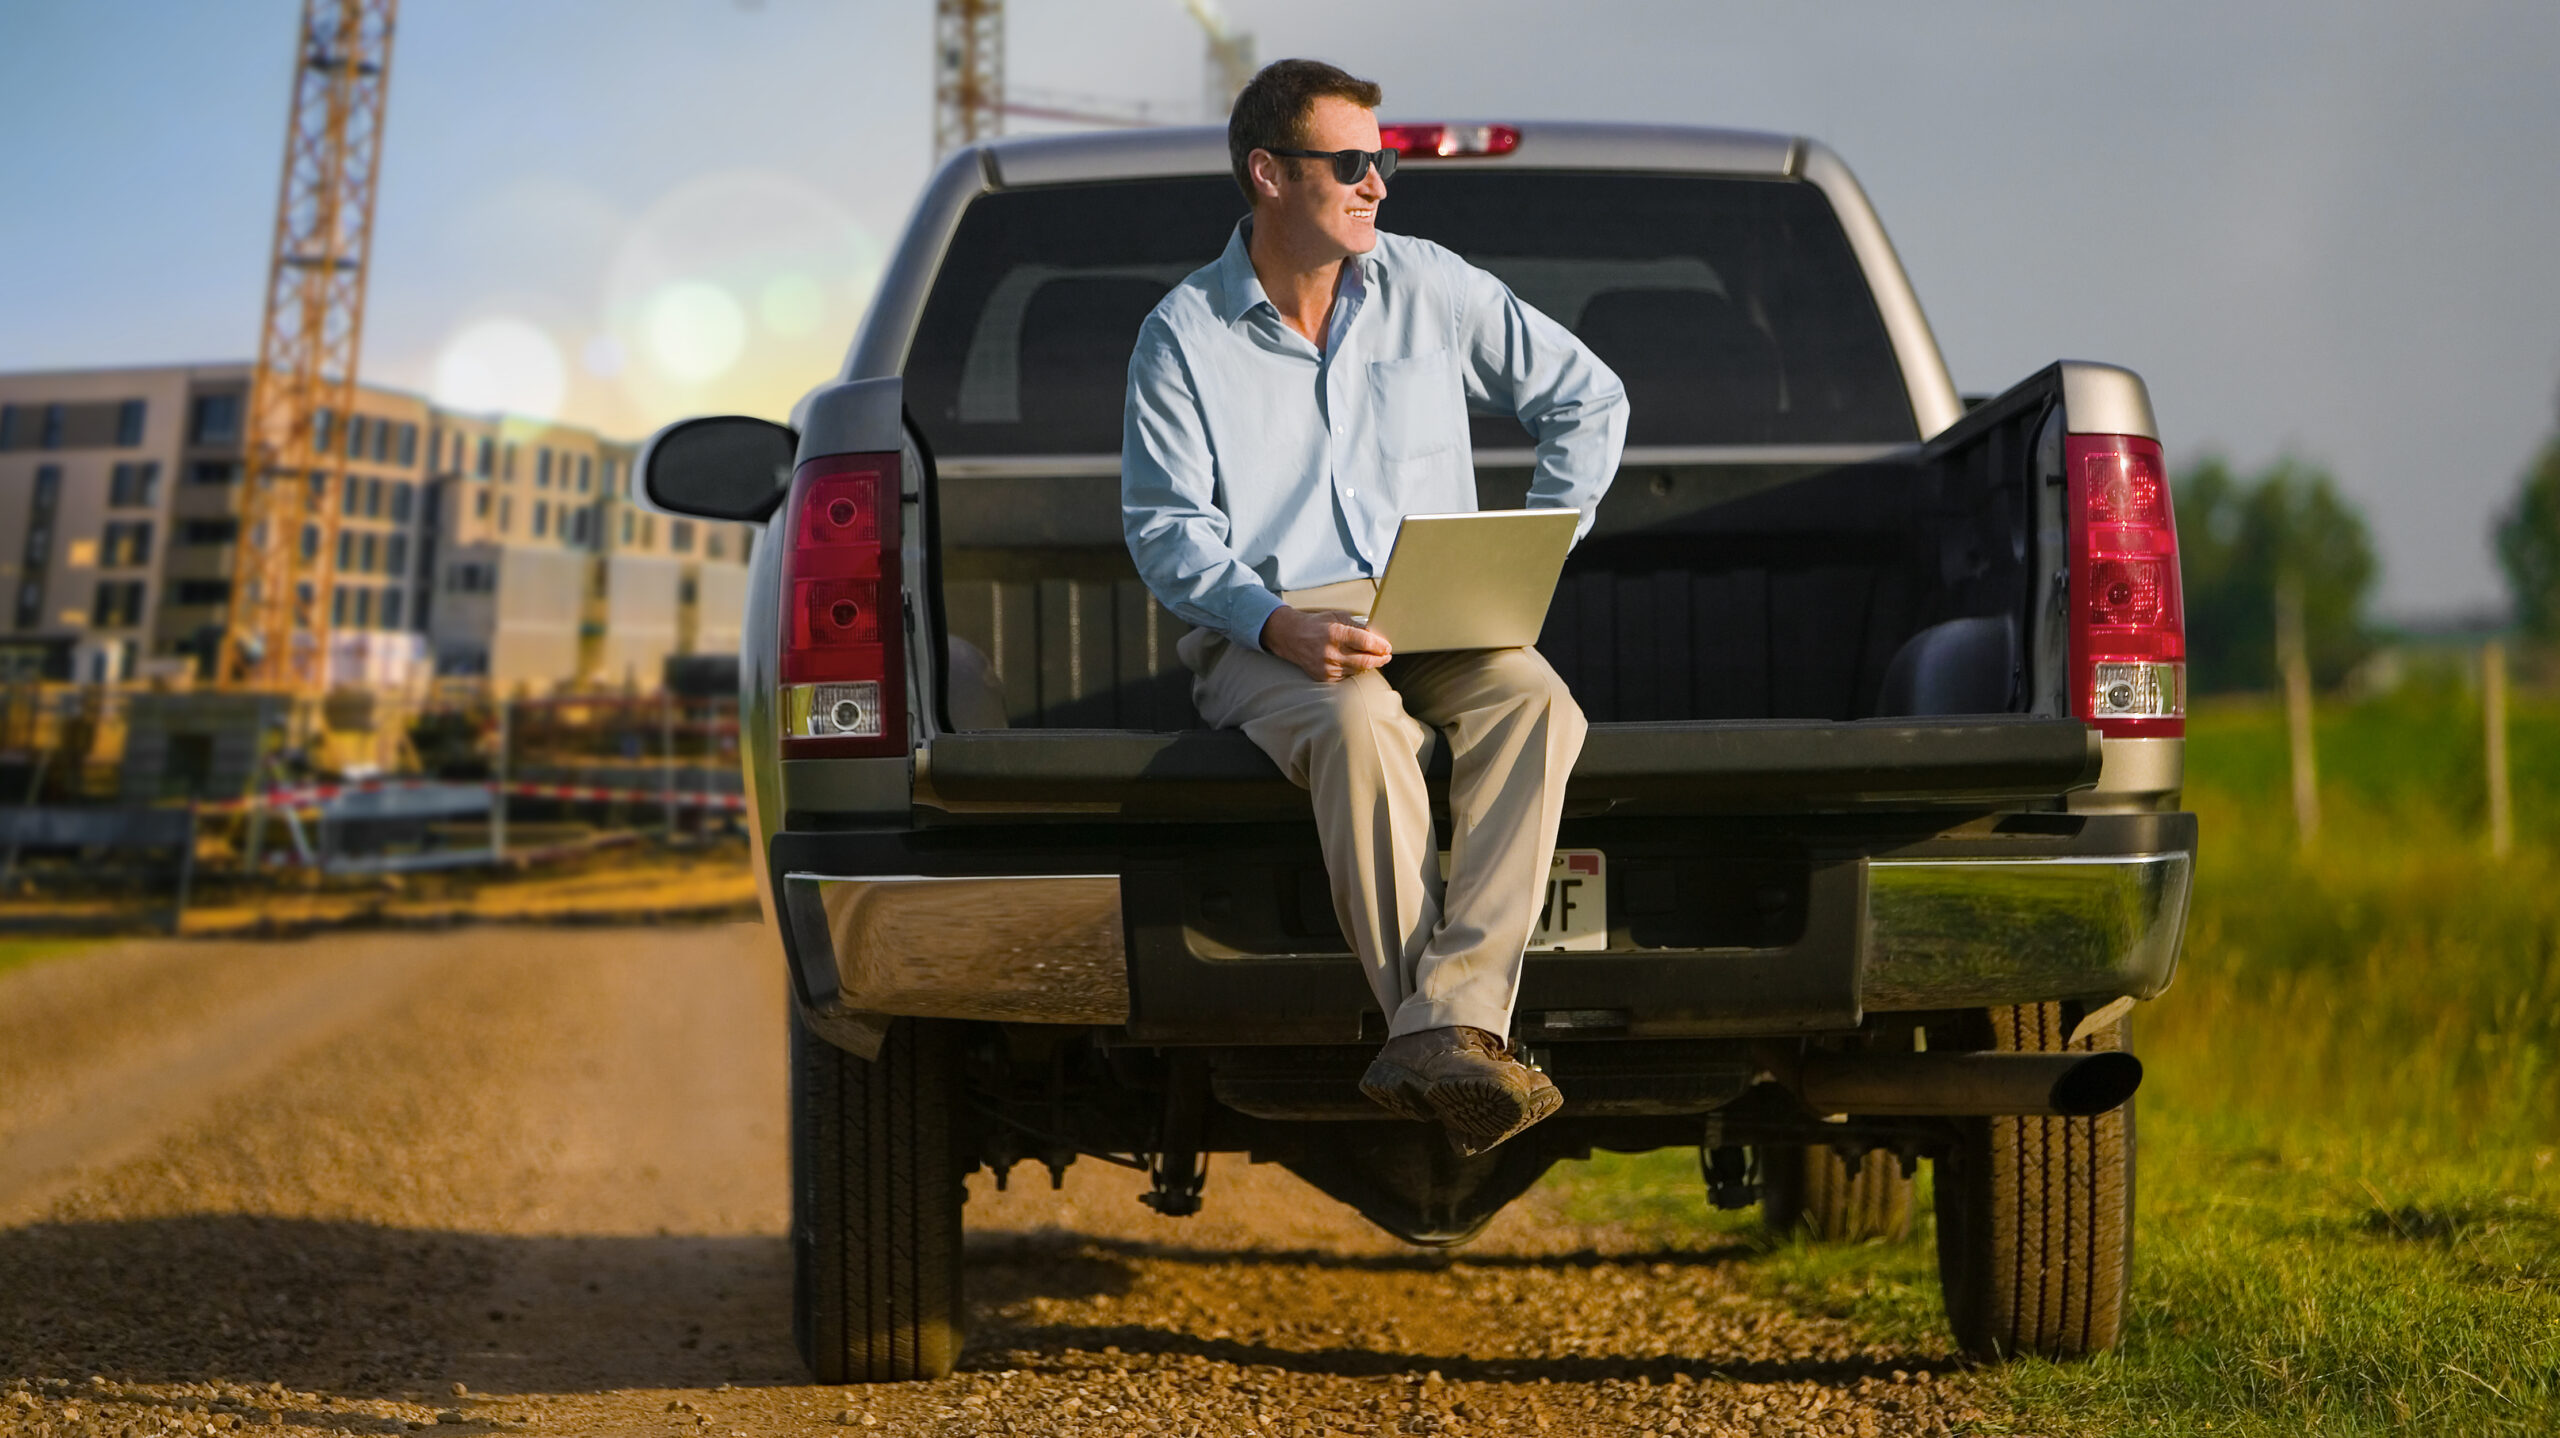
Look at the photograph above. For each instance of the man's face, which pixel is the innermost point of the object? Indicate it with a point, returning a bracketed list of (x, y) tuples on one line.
[(1312, 205)]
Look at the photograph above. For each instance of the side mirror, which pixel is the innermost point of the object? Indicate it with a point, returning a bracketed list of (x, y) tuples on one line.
[(727, 467)]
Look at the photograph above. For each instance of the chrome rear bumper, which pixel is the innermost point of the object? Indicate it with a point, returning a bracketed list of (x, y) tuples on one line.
[(1940, 933)]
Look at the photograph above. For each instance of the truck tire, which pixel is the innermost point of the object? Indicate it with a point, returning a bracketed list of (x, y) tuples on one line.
[(2035, 1215), (875, 1206), (1812, 1190)]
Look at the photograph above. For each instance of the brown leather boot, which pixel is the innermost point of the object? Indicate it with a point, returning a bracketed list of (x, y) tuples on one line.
[(1465, 1080)]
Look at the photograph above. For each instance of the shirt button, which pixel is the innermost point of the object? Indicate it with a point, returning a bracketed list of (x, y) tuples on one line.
[(1351, 494)]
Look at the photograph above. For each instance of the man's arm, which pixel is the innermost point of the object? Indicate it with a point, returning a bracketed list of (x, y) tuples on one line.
[(1519, 360), (1168, 489), (1178, 535)]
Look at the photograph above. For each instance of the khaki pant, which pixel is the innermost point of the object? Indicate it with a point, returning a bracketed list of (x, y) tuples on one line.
[(1436, 954)]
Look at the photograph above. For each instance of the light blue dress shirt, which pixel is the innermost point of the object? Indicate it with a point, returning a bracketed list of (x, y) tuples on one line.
[(1252, 463)]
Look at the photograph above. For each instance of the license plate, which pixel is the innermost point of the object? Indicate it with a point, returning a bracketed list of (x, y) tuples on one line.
[(1574, 913)]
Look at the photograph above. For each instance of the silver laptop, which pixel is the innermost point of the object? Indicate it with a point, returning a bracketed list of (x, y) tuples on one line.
[(1460, 581)]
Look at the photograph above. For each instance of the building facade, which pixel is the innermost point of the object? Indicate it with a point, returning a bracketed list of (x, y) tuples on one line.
[(478, 546)]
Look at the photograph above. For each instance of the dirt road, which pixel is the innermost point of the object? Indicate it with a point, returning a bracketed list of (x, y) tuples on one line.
[(529, 1179)]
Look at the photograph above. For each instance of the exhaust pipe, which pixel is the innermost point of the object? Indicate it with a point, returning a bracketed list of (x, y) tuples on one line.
[(1955, 1085)]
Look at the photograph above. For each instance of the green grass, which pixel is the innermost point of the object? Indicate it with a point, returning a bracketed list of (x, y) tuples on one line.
[(2350, 1133), (16, 953)]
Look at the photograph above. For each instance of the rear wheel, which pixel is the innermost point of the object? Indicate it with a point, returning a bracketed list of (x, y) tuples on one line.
[(875, 1206), (1814, 1191), (2035, 1215)]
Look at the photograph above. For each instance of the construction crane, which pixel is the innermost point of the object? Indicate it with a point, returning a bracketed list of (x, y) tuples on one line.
[(969, 96), (285, 559), (1230, 59), (968, 73)]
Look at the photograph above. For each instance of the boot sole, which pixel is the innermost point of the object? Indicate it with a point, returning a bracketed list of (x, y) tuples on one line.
[(1481, 1114)]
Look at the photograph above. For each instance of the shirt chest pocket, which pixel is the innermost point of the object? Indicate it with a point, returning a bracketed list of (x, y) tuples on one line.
[(1416, 405)]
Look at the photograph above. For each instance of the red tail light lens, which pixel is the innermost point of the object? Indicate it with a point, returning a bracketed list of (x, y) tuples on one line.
[(1422, 142), (2128, 619), (844, 690)]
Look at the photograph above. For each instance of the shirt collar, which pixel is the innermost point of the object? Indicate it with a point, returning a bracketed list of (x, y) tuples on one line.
[(1240, 289)]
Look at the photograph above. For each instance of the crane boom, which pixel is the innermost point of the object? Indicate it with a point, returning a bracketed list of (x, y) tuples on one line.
[(285, 559)]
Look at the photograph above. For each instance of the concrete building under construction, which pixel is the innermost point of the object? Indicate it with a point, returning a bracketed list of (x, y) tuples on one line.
[(469, 547)]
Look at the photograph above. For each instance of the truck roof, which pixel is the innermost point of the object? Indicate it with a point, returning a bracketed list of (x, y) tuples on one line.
[(1544, 145)]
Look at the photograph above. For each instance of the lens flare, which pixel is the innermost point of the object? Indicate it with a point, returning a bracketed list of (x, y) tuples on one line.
[(791, 304), (501, 363), (695, 331)]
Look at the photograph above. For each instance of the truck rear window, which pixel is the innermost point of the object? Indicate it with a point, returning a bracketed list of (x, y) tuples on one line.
[(1733, 308)]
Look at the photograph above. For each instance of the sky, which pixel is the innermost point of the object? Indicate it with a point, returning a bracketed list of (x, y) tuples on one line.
[(2329, 230)]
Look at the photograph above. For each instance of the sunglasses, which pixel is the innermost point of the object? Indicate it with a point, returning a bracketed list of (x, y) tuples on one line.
[(1348, 165)]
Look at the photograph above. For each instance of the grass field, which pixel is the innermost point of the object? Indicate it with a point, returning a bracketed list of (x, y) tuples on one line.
[(2350, 1133)]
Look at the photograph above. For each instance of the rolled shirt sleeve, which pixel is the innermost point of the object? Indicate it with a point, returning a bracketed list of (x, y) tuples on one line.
[(1520, 362), (1169, 514)]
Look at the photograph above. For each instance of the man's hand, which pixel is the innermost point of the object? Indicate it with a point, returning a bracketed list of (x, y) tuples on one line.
[(1323, 642)]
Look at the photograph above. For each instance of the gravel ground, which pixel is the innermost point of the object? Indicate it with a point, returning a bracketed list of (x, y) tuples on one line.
[(533, 1180)]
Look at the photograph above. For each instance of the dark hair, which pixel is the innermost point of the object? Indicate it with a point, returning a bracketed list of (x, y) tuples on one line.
[(1271, 113)]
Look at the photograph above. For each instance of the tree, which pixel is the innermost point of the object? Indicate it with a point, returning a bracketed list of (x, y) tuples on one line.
[(2238, 540), (2529, 547)]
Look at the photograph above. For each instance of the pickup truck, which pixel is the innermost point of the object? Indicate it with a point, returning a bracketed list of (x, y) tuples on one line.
[(1873, 846)]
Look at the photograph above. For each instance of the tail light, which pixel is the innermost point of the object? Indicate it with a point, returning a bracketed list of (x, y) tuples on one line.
[(1416, 142), (2128, 616), (844, 690)]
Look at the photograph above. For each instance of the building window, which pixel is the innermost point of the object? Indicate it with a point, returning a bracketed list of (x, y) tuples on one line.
[(204, 591), (608, 476), (648, 531), (480, 504), (488, 457), (49, 436), (129, 417), (133, 485), (324, 428), (408, 443), (350, 496), (626, 526), (541, 518), (402, 497), (212, 471), (216, 420), (395, 555), (118, 605), (542, 469), (125, 544), (8, 426), (373, 497), (359, 429), (382, 441), (586, 472), (712, 546), (507, 465), (346, 549), (319, 482), (506, 516), (338, 608), (391, 609), (366, 554), (209, 531), (680, 535), (310, 543)]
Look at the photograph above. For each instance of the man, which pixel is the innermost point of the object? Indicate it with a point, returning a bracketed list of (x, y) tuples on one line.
[(1287, 406)]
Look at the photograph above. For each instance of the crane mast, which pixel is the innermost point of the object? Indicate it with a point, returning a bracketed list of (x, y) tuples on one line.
[(968, 72), (285, 558)]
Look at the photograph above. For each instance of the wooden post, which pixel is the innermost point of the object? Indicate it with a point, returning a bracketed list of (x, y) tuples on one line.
[(2493, 704), (667, 754), (2294, 662), (498, 790)]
